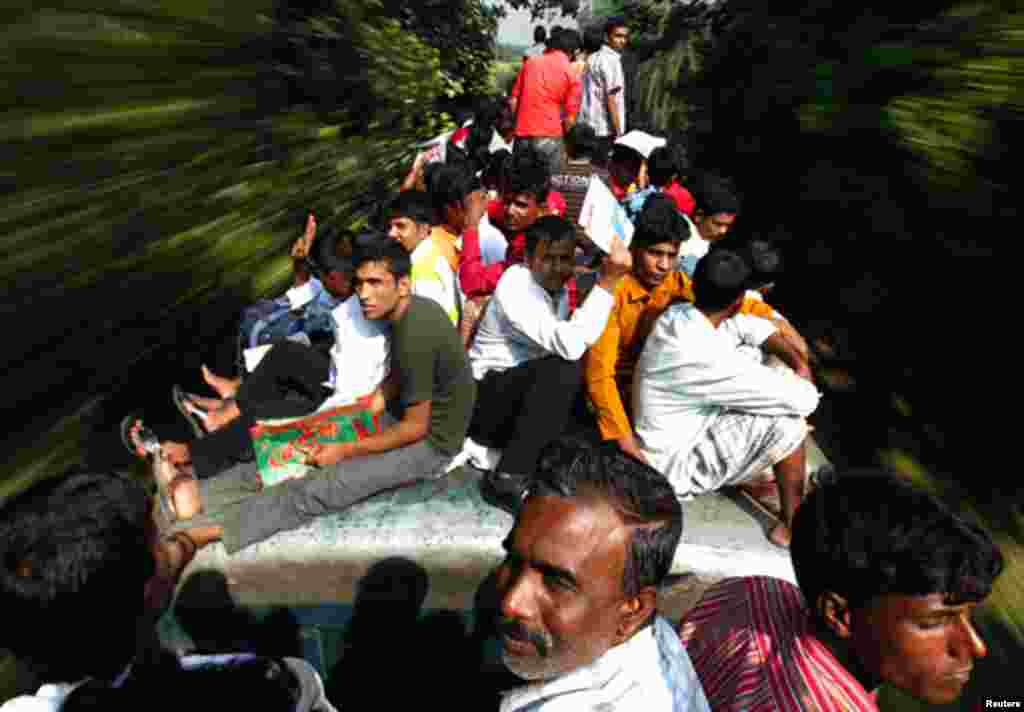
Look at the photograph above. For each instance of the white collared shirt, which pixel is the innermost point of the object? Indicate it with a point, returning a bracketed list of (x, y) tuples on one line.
[(627, 678), (690, 372), (524, 322), (602, 76), (359, 356)]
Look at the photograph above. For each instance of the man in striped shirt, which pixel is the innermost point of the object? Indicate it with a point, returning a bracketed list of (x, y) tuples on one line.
[(889, 578)]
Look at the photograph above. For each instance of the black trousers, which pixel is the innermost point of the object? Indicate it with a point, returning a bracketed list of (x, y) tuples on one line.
[(287, 383), (525, 408)]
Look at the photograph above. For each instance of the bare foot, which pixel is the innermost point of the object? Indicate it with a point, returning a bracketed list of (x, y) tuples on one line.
[(205, 403), (225, 387), (217, 419), (780, 535), (172, 556), (176, 453)]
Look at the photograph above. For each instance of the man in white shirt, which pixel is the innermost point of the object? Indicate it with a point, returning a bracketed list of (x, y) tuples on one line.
[(706, 415), (578, 589), (603, 103), (526, 353)]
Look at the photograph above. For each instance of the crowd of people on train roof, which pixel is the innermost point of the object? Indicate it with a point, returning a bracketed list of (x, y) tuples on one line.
[(597, 390)]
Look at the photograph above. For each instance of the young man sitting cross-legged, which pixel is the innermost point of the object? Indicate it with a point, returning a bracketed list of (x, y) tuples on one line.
[(708, 416), (430, 389), (527, 351)]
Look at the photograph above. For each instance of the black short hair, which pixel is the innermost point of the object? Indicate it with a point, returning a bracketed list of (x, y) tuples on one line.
[(721, 277), (581, 141), (496, 170), (332, 251), (74, 561), (593, 38), (659, 221), (765, 262), (642, 496), (450, 185), (529, 174), (628, 158), (867, 533), (378, 247), (548, 228), (539, 34), (413, 204), (564, 39), (665, 162), (613, 23), (713, 195)]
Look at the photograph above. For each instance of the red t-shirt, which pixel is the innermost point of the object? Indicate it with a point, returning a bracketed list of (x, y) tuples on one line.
[(682, 197), (544, 86)]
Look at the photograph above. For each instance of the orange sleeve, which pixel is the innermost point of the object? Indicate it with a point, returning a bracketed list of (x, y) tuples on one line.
[(599, 377), (756, 307)]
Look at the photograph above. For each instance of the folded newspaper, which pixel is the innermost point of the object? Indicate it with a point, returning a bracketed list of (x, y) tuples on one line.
[(602, 218)]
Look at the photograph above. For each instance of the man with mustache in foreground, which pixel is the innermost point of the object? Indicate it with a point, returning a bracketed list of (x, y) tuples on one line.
[(579, 586)]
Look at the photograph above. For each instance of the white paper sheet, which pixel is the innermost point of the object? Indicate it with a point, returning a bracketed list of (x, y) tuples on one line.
[(602, 218)]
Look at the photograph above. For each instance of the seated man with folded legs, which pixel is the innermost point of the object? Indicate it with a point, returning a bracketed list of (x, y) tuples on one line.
[(578, 589), (709, 417), (889, 579), (291, 380), (429, 389), (527, 351)]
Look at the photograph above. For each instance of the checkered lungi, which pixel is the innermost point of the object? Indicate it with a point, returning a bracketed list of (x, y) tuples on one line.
[(737, 447)]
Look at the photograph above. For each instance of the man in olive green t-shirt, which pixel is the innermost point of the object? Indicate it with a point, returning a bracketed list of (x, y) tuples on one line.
[(429, 395)]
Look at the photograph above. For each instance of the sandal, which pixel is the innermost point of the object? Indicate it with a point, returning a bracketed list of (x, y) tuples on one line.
[(190, 411), (139, 444)]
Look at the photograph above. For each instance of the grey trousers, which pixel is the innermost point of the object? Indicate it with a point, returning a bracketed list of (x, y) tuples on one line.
[(248, 514)]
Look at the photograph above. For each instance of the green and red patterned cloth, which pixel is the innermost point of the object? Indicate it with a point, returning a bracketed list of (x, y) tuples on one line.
[(282, 445)]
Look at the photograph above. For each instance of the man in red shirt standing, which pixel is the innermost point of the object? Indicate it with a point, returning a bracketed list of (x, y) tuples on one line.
[(546, 88)]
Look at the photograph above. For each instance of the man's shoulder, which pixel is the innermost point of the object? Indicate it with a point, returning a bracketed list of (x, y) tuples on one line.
[(514, 282), (422, 317)]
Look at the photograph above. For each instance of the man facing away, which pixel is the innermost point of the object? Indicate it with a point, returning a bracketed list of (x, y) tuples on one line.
[(527, 351), (429, 389), (709, 417), (603, 104), (546, 89), (578, 589), (889, 578)]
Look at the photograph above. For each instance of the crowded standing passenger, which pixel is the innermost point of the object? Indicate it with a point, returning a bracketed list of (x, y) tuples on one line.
[(603, 104)]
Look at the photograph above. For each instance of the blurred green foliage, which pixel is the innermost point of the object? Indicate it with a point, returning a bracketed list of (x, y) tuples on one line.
[(159, 158)]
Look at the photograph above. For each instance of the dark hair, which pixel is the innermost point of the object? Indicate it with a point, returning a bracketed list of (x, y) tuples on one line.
[(613, 23), (74, 560), (246, 681), (719, 280), (665, 162), (548, 228), (626, 158), (529, 174), (496, 171), (869, 533), (539, 34), (765, 262), (713, 195), (641, 495), (565, 40), (451, 184), (593, 38), (332, 252), (659, 221), (413, 204), (378, 247), (581, 141)]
